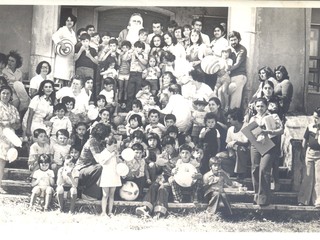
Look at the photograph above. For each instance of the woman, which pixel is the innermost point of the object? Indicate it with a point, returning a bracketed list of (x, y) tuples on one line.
[(89, 161), (196, 51), (156, 45), (43, 70), (87, 89), (64, 63), (284, 88), (40, 109), (171, 45), (219, 42), (265, 73), (177, 32), (20, 98), (261, 164), (9, 118), (186, 30)]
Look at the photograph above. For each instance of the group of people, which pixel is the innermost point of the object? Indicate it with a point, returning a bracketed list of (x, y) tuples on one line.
[(148, 92)]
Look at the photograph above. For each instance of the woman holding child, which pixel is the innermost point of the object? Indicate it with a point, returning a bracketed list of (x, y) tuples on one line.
[(9, 118)]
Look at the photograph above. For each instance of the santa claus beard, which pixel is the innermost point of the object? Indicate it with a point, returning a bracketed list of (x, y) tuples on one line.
[(133, 33)]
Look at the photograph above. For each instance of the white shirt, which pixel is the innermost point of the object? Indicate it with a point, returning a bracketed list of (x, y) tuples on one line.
[(82, 99)]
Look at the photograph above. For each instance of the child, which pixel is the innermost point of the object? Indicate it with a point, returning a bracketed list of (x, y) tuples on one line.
[(167, 62), (309, 190), (136, 137), (152, 103), (69, 102), (104, 117), (110, 93), (186, 138), (185, 157), (40, 146), (75, 151), (110, 179), (60, 148), (85, 57), (124, 71), (136, 109), (109, 53), (67, 183), (104, 45), (209, 137), (145, 92), (42, 182), (134, 124), (143, 35), (152, 74), (80, 136), (137, 168), (223, 80), (138, 63), (154, 125), (170, 120), (110, 69), (154, 149), (198, 118), (156, 46), (166, 79), (215, 180), (95, 41), (60, 121), (173, 132)]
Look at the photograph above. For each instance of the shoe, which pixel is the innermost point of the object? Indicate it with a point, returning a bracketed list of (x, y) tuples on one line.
[(176, 201), (157, 216), (110, 215), (264, 204), (300, 204), (87, 198), (2, 191), (142, 211), (317, 206)]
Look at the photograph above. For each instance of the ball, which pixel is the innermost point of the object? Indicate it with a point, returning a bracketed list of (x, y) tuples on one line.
[(12, 154), (127, 154), (184, 175), (122, 169), (210, 64), (129, 191), (93, 113)]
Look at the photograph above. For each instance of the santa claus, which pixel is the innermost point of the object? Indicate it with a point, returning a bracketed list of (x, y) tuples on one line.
[(131, 33)]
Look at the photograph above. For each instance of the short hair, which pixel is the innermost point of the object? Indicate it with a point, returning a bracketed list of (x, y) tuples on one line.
[(172, 76), (89, 26), (99, 97), (69, 158), (185, 147), (38, 131), (137, 146), (85, 36), (81, 30), (3, 59), (139, 44), (170, 116), (80, 124), (137, 102), (113, 41), (59, 106), (3, 81), (283, 70), (210, 115), (156, 21), (126, 43), (161, 41), (44, 158), (63, 132), (166, 55), (172, 24), (236, 114), (71, 16), (195, 20), (16, 56), (137, 134), (39, 66), (95, 34), (6, 87), (100, 131), (234, 34), (68, 99), (153, 135), (167, 140), (77, 77), (177, 28), (152, 111), (109, 81), (143, 30), (197, 75), (172, 129), (216, 100), (145, 83), (220, 27), (106, 33), (136, 117), (175, 88), (75, 147), (173, 38), (261, 99)]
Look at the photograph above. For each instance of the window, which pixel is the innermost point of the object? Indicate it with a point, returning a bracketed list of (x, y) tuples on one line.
[(314, 60)]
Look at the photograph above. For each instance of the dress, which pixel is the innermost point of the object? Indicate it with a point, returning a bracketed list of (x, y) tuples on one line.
[(8, 115), (35, 82), (42, 109), (109, 175), (64, 65)]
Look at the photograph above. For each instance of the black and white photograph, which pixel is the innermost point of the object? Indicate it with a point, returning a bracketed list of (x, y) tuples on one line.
[(159, 119)]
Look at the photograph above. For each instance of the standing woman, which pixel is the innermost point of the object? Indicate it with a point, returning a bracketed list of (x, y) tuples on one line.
[(284, 88), (12, 71), (171, 45), (186, 30), (265, 73), (261, 164), (40, 109), (42, 70), (64, 62), (195, 52), (9, 118)]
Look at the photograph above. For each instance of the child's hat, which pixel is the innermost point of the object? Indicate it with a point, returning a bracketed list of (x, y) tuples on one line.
[(200, 101)]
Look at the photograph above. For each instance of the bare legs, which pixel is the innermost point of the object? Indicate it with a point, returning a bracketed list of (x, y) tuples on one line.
[(2, 165), (108, 194)]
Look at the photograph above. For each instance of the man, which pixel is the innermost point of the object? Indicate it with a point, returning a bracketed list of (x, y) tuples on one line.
[(156, 29), (238, 70), (90, 29), (131, 33), (197, 25)]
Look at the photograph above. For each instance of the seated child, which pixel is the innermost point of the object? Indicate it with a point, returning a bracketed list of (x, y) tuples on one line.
[(60, 148), (145, 92), (154, 149), (136, 137), (170, 120), (136, 109), (185, 157), (198, 118), (60, 121), (154, 125), (137, 168), (75, 151), (69, 102), (152, 103), (40, 146), (173, 132), (67, 183), (42, 182), (216, 179), (80, 135), (110, 92), (134, 123)]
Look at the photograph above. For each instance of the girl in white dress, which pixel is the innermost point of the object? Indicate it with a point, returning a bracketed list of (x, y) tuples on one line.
[(110, 179)]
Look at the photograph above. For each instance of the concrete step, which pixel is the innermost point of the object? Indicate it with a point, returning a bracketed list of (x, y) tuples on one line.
[(16, 174)]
